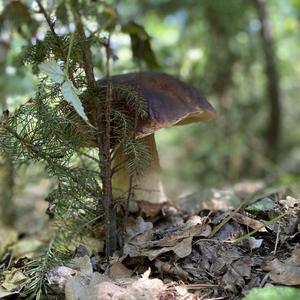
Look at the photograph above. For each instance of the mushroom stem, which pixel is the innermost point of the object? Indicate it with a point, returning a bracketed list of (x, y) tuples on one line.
[(146, 188)]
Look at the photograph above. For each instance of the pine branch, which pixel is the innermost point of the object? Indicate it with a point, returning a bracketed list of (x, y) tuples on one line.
[(103, 140), (34, 151), (36, 269), (86, 51), (110, 216), (56, 37)]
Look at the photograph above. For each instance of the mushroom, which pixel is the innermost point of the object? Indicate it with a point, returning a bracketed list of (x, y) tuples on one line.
[(170, 102)]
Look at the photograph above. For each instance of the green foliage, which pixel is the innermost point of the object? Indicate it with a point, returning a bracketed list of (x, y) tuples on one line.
[(50, 47), (18, 15), (216, 46), (213, 45), (128, 107), (274, 293), (52, 255), (52, 128), (138, 156), (140, 44), (68, 91)]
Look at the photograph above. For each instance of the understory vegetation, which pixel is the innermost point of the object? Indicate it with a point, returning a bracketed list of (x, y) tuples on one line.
[(231, 222)]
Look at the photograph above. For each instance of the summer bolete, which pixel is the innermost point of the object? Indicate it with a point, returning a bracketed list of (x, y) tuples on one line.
[(169, 102)]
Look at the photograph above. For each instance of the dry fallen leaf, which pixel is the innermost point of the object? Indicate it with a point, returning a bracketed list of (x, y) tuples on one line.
[(99, 287), (174, 270), (144, 289), (289, 202), (138, 227), (287, 272), (177, 239), (82, 264), (4, 293), (237, 272), (250, 222), (251, 243), (13, 280), (215, 256), (118, 270), (181, 249)]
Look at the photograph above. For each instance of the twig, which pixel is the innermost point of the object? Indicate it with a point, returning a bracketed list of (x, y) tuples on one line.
[(110, 217), (69, 52), (103, 139), (86, 51), (56, 37), (93, 220), (264, 280), (89, 156), (263, 226), (277, 239), (130, 186), (226, 220), (127, 207), (197, 286)]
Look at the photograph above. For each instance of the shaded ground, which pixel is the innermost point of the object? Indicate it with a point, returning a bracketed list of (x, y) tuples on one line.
[(203, 251)]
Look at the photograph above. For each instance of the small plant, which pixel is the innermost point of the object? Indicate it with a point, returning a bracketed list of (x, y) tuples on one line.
[(56, 127)]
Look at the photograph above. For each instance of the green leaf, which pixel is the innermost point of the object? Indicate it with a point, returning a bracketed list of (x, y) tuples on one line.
[(70, 94), (261, 207), (52, 69), (62, 13), (140, 44), (274, 293), (19, 16), (108, 18)]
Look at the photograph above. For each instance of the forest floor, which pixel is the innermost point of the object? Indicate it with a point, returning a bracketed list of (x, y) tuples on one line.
[(239, 239)]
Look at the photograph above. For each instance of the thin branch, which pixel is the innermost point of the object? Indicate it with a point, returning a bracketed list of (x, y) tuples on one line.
[(89, 156), (103, 120), (105, 142), (56, 37), (37, 151), (86, 51), (127, 207)]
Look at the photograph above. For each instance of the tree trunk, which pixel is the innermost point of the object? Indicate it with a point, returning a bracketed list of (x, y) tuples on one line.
[(7, 207), (222, 63), (273, 85)]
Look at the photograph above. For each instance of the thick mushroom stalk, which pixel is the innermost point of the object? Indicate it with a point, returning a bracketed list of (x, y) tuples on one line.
[(148, 187), (169, 102)]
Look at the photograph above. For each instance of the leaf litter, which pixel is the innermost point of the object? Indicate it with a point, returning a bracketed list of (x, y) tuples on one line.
[(181, 256)]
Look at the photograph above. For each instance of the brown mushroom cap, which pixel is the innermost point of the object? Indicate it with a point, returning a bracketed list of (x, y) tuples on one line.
[(169, 100)]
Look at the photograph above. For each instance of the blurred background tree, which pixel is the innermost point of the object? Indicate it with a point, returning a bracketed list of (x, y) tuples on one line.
[(15, 85), (244, 55)]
